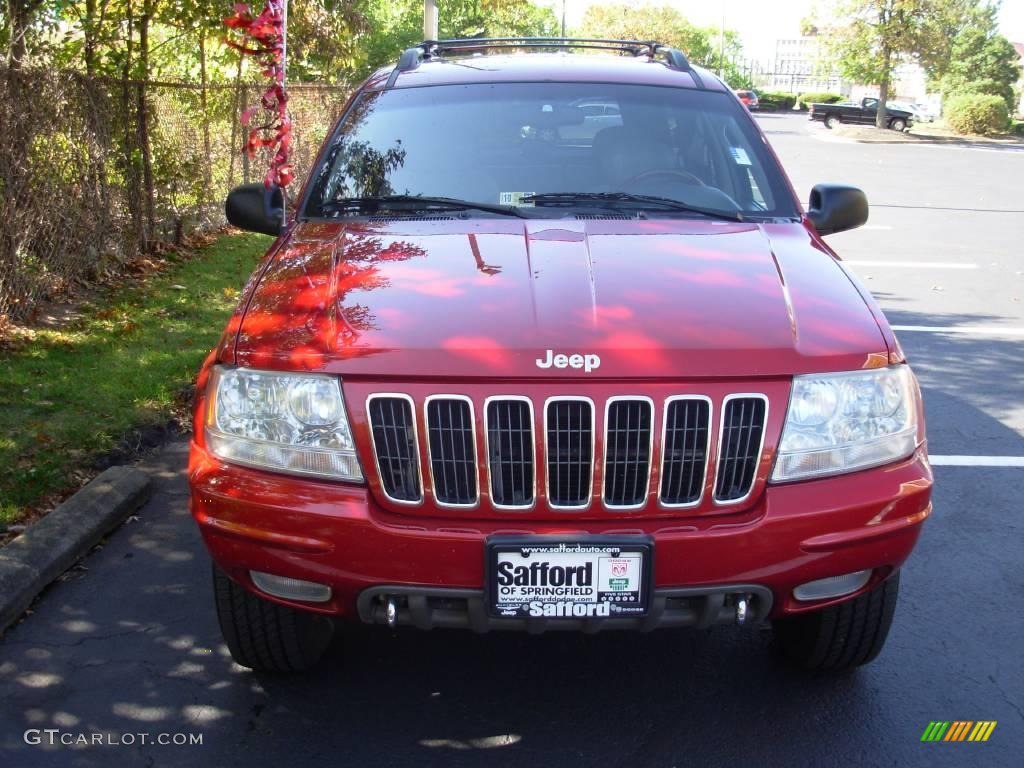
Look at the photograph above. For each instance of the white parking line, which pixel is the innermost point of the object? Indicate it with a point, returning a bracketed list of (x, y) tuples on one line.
[(979, 330), (977, 461), (911, 264)]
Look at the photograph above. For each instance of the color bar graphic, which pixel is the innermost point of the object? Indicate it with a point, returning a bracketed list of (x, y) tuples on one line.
[(958, 730)]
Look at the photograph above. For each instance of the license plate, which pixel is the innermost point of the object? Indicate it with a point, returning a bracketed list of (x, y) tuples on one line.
[(594, 577)]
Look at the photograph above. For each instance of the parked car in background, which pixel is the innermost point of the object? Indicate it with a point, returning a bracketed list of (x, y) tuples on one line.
[(592, 117), (748, 99), (927, 113), (859, 114), (918, 111)]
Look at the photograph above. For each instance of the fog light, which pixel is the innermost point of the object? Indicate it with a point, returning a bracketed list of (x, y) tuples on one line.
[(291, 589), (833, 586)]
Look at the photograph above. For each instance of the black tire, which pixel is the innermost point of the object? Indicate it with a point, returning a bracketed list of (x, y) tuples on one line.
[(898, 124), (842, 636), (265, 636), (831, 121)]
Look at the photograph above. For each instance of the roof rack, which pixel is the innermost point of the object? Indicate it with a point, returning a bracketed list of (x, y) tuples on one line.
[(433, 49)]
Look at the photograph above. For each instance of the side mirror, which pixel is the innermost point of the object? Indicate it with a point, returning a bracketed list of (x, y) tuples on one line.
[(255, 208), (837, 208)]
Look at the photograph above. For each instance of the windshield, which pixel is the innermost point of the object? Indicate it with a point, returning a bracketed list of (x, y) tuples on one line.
[(497, 144)]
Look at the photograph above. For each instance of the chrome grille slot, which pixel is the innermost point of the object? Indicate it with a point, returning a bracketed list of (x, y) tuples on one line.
[(451, 449), (510, 452), (393, 430), (684, 450), (627, 446), (569, 429), (739, 448)]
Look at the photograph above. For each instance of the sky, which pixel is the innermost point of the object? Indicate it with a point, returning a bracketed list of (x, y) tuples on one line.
[(761, 22)]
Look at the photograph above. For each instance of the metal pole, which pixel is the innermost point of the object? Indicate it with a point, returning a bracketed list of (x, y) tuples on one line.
[(430, 19), (284, 40), (284, 70), (563, 19), (721, 45)]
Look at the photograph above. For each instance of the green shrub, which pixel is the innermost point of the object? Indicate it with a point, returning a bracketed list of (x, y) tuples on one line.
[(1017, 129), (976, 113), (804, 100), (771, 101)]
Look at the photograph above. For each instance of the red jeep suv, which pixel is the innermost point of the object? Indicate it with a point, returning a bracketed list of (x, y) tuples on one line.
[(505, 369)]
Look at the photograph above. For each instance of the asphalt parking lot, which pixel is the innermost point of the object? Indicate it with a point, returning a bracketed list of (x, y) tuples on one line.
[(128, 642)]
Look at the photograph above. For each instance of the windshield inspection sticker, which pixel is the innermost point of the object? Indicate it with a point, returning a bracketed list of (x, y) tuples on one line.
[(515, 198), (739, 154)]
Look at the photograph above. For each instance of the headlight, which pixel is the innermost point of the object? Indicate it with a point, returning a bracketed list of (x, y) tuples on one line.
[(842, 422), (287, 422)]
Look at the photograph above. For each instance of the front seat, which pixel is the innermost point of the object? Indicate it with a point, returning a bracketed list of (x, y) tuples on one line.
[(620, 154)]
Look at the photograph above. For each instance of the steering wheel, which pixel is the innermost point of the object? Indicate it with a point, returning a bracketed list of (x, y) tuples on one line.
[(686, 176)]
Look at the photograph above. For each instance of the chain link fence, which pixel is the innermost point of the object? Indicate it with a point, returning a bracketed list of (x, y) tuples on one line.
[(97, 172)]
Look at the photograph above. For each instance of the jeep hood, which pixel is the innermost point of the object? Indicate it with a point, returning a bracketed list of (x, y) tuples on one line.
[(488, 298)]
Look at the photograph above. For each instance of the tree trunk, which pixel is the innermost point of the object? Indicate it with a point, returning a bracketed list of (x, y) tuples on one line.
[(130, 140), (236, 112), (89, 37), (19, 17), (207, 179), (881, 118), (143, 121)]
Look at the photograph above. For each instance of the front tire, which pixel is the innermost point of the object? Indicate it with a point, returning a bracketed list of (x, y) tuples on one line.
[(265, 636), (899, 124), (831, 121), (841, 636)]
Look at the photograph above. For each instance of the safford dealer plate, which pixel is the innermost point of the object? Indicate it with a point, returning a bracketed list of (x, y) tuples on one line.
[(568, 579)]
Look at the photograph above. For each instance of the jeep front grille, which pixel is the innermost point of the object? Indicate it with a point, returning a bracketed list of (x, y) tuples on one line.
[(669, 439), (569, 429), (627, 452), (393, 428), (451, 443), (684, 450), (510, 452), (739, 447)]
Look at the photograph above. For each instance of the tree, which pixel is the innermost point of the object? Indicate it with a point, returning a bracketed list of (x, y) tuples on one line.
[(981, 60), (666, 25), (872, 37), (393, 25), (648, 22), (18, 19)]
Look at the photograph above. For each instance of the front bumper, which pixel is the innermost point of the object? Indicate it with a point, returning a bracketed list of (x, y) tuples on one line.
[(336, 534)]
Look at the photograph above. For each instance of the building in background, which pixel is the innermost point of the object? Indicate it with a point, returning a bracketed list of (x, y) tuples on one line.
[(802, 65)]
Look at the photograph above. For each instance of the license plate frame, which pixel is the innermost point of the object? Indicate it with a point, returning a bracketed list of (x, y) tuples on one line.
[(622, 599)]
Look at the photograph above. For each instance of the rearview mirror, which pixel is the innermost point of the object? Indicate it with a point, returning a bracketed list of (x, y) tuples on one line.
[(255, 208), (837, 208)]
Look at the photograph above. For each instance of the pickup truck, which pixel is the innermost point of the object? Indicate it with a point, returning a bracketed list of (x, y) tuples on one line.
[(861, 114)]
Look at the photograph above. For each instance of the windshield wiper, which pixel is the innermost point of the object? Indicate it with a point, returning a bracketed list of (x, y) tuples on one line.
[(614, 198), (415, 203)]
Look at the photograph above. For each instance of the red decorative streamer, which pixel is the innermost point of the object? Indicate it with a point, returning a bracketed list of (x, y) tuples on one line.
[(262, 36)]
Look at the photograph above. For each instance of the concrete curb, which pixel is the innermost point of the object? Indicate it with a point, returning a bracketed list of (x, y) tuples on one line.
[(49, 547)]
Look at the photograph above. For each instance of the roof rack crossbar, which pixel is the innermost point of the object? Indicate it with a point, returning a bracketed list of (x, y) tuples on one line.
[(675, 58)]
